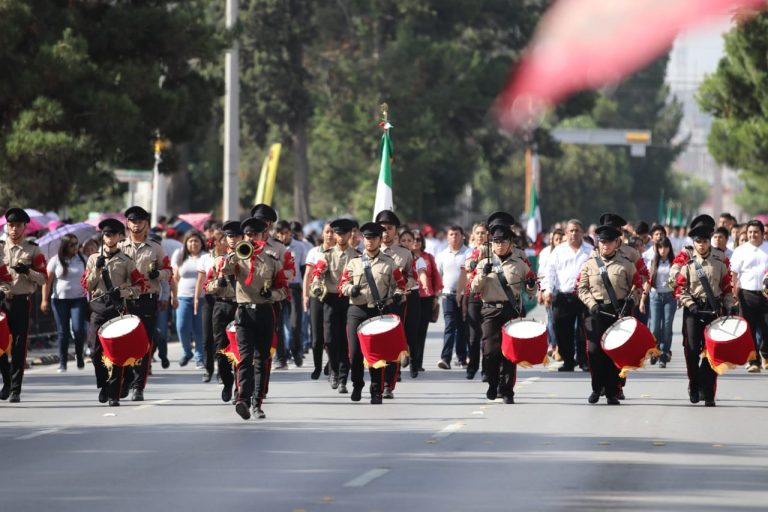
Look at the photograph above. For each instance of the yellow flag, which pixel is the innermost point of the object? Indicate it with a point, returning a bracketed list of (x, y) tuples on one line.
[(268, 176)]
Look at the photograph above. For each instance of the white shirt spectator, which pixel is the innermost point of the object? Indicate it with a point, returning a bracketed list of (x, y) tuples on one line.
[(187, 271), (171, 245), (67, 286), (563, 267), (544, 260), (750, 263), (449, 264)]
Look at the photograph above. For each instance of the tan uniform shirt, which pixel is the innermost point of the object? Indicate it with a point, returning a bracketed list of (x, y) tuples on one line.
[(211, 281), (29, 254), (515, 270), (621, 273), (688, 287), (386, 276), (264, 270), (330, 267), (285, 256), (147, 256), (122, 272), (404, 261)]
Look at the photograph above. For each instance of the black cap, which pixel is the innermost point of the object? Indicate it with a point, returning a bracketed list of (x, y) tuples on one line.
[(254, 225), (642, 228), (264, 212), (387, 217), (111, 226), (501, 232), (371, 229), (500, 218), (17, 215), (608, 232), (136, 213), (232, 228), (342, 226), (702, 226), (613, 220)]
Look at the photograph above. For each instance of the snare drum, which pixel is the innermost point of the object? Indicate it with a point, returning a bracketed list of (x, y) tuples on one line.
[(628, 343), (524, 342), (729, 343), (124, 341), (382, 339), (5, 335), (233, 350)]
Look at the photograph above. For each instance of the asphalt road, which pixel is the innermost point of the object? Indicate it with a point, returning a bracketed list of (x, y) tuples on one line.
[(439, 445)]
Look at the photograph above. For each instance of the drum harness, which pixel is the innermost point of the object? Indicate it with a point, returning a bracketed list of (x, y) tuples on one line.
[(499, 271), (713, 302), (108, 284), (378, 302), (609, 288)]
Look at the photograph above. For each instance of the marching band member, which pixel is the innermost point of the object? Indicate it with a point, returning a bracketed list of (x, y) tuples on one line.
[(390, 289), (325, 286), (27, 271), (110, 277), (261, 282), (607, 285), (151, 261), (705, 291), (315, 306), (499, 279)]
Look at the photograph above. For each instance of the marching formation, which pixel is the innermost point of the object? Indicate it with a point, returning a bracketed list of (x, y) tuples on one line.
[(369, 302)]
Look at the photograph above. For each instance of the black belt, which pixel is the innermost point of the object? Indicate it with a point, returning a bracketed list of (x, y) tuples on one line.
[(496, 304), (754, 292), (254, 307), (226, 301)]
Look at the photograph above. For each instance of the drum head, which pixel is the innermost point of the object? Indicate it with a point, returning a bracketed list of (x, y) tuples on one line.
[(727, 328), (524, 328), (379, 325), (619, 333), (120, 326)]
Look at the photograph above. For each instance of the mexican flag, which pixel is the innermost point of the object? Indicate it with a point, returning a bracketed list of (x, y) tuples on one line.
[(384, 186), (533, 229)]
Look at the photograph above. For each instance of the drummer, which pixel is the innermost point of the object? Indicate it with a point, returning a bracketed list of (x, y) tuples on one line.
[(607, 295), (391, 286), (699, 308), (110, 278), (261, 282), (499, 280)]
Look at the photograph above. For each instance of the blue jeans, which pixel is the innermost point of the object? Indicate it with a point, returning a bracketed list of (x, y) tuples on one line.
[(70, 316), (162, 331), (189, 325), (662, 313), (456, 331), (551, 339)]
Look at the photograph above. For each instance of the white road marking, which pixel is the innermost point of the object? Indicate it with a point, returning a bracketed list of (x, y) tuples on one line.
[(367, 477), (156, 402), (447, 431), (37, 434)]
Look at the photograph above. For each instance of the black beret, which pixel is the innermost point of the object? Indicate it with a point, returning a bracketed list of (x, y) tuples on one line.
[(341, 226), (111, 226), (17, 215), (371, 229), (253, 224), (702, 220), (232, 228), (612, 219), (264, 212), (387, 217), (608, 232), (500, 217), (501, 232), (136, 213)]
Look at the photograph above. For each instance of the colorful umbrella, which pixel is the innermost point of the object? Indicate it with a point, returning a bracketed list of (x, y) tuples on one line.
[(49, 244), (196, 220)]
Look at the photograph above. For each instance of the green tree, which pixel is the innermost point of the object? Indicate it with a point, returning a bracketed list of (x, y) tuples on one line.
[(736, 96), (85, 86)]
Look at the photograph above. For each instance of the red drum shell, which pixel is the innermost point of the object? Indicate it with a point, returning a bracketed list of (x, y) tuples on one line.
[(5, 335), (729, 343), (382, 339), (639, 343), (128, 344), (524, 342), (233, 350)]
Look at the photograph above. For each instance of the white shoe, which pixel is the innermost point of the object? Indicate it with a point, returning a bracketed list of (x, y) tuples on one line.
[(61, 370), (753, 368), (443, 365)]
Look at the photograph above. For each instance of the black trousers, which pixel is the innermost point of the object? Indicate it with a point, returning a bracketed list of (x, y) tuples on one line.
[(474, 321), (412, 321), (18, 310), (295, 321), (335, 311), (501, 372), (317, 326), (100, 314), (754, 308), (700, 374), (567, 309), (209, 344), (603, 372), (145, 307), (425, 315), (277, 307), (355, 316), (255, 328), (223, 314)]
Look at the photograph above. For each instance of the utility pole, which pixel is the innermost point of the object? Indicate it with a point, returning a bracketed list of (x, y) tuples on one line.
[(231, 207)]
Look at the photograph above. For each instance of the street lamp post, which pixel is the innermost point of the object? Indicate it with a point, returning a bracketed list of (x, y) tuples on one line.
[(232, 121)]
